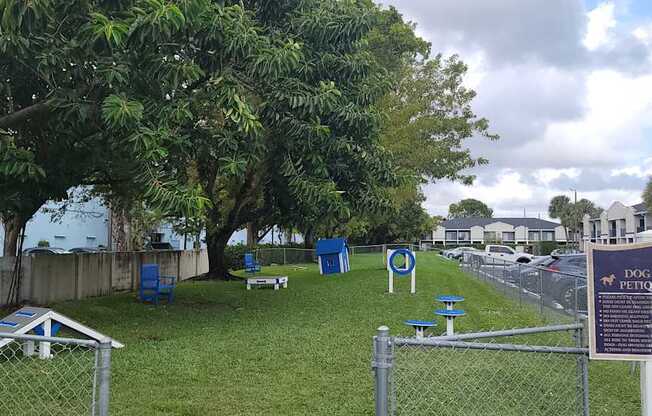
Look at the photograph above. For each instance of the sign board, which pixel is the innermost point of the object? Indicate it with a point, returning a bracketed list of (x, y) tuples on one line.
[(620, 301)]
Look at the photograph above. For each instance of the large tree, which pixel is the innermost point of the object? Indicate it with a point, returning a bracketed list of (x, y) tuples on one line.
[(428, 120), (83, 97), (470, 208), (571, 214), (647, 195)]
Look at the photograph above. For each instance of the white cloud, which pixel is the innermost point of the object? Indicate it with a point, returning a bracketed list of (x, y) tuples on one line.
[(569, 90), (546, 176), (619, 109), (601, 21), (643, 171)]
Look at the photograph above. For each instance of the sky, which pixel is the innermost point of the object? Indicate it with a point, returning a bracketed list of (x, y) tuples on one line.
[(567, 84)]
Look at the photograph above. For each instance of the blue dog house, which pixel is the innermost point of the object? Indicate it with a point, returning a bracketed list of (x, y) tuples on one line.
[(333, 256)]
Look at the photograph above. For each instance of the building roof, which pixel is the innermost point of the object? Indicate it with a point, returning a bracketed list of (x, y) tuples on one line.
[(640, 207), (467, 223), (330, 246)]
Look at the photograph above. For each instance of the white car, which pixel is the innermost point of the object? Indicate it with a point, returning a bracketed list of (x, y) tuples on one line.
[(458, 252), (494, 253)]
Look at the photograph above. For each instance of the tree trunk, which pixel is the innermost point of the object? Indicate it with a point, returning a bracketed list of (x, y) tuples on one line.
[(309, 238), (12, 234), (252, 235), (216, 242), (120, 231)]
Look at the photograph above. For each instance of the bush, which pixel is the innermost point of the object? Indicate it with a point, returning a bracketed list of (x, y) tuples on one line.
[(234, 256), (544, 248), (43, 243)]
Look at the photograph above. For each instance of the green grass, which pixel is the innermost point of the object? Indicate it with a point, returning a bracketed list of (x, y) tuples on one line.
[(305, 350)]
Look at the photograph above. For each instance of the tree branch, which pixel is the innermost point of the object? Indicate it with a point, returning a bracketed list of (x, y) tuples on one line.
[(20, 116)]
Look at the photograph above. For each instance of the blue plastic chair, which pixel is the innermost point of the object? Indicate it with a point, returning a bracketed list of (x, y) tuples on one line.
[(153, 286), (250, 264)]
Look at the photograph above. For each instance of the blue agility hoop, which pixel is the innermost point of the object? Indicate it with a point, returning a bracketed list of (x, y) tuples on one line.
[(408, 254)]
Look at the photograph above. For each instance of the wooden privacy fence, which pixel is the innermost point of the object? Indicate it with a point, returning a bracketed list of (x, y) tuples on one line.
[(47, 279)]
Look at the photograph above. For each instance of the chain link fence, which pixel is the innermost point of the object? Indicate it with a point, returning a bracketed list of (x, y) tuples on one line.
[(47, 376), (283, 255), (554, 293), (288, 255), (451, 376)]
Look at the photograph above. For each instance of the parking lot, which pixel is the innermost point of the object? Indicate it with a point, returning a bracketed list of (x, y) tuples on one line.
[(555, 282)]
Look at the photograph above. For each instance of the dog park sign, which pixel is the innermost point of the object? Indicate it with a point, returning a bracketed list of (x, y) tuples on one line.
[(620, 308)]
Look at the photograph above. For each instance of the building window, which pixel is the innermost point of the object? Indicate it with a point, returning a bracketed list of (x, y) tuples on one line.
[(509, 236), (464, 235), (490, 236), (548, 235), (451, 235), (533, 235)]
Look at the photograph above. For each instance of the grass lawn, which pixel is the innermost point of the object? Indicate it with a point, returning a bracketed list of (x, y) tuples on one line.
[(305, 350)]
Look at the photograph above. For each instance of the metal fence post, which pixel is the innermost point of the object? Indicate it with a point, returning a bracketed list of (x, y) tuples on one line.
[(520, 285), (541, 296), (583, 367), (284, 256), (382, 365), (104, 377)]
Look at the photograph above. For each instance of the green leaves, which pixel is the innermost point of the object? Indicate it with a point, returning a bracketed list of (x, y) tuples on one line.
[(119, 112), (647, 195), (17, 164), (156, 19), (113, 32), (21, 15)]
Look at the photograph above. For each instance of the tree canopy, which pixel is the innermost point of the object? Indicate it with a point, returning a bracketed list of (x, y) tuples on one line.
[(572, 214), (647, 195), (226, 113), (470, 208)]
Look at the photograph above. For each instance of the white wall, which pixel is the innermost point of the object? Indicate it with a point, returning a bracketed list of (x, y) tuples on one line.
[(82, 225)]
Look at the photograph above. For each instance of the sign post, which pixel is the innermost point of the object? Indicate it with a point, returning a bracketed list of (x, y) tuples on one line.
[(620, 308)]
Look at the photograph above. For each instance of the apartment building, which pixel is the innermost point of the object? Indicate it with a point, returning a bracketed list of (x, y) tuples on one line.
[(461, 231), (620, 224)]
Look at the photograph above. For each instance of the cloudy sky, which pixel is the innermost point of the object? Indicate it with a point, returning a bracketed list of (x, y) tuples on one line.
[(567, 84)]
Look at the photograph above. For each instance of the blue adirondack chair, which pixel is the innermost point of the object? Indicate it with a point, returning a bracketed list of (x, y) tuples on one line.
[(153, 286), (250, 264)]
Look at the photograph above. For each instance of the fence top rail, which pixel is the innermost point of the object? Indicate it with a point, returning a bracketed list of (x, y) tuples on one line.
[(512, 332), (56, 340), (436, 343)]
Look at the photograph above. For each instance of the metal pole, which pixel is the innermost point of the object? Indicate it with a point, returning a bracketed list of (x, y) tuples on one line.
[(583, 363), (382, 366), (520, 285), (284, 256), (104, 377), (541, 300)]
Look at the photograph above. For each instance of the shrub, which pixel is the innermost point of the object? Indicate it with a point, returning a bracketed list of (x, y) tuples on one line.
[(43, 243), (544, 248), (234, 256)]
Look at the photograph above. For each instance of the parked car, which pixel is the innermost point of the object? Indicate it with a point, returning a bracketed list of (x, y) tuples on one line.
[(555, 279), (85, 250), (458, 252), (50, 251), (524, 273), (567, 274), (501, 255), (160, 246)]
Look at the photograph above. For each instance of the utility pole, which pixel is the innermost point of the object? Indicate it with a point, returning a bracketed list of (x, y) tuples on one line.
[(574, 224)]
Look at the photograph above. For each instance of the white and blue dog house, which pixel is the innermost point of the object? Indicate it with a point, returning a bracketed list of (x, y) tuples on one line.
[(46, 323), (333, 256)]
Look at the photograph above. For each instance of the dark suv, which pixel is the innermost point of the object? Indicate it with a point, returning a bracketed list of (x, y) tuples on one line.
[(563, 276)]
